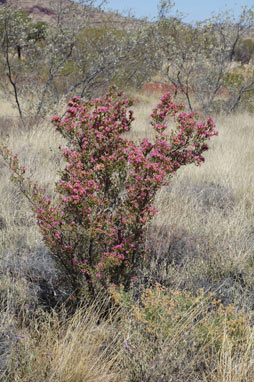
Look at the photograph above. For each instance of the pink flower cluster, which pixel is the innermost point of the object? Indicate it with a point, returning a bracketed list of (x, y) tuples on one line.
[(95, 228)]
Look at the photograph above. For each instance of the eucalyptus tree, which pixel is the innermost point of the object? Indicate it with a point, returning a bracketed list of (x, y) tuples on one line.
[(18, 38), (80, 52)]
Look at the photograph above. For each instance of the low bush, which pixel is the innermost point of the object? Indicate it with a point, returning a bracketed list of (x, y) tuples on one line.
[(173, 335)]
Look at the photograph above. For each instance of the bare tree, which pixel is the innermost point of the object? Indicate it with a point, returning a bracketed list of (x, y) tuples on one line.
[(196, 58)]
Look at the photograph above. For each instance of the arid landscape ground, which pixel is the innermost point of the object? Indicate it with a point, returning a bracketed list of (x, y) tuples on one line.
[(202, 237), (188, 314)]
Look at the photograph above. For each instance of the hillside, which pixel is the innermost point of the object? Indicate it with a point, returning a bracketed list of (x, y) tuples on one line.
[(49, 11)]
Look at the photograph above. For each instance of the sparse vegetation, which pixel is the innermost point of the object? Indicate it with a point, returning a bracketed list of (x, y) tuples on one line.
[(187, 314)]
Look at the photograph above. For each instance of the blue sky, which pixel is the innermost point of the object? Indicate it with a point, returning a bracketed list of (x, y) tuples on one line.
[(196, 9)]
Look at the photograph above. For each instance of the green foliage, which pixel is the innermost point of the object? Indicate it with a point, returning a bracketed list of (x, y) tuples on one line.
[(18, 29), (233, 80), (204, 321), (14, 23), (244, 51), (37, 31)]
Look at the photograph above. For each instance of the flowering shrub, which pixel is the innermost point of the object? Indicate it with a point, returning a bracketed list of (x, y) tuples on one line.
[(95, 227)]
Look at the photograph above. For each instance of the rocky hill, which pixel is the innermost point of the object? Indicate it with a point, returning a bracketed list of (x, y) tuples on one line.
[(40, 10), (49, 11)]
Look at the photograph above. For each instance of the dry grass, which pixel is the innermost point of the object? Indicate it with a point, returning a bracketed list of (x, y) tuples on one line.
[(6, 108), (205, 224), (80, 349), (203, 236)]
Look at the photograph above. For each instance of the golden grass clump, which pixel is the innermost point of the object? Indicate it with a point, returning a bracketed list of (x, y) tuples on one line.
[(53, 347)]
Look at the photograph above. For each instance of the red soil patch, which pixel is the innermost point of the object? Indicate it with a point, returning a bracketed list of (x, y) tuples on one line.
[(157, 88), (162, 88)]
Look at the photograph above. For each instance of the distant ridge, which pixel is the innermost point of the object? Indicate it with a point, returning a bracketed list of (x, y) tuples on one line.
[(40, 10), (45, 10)]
